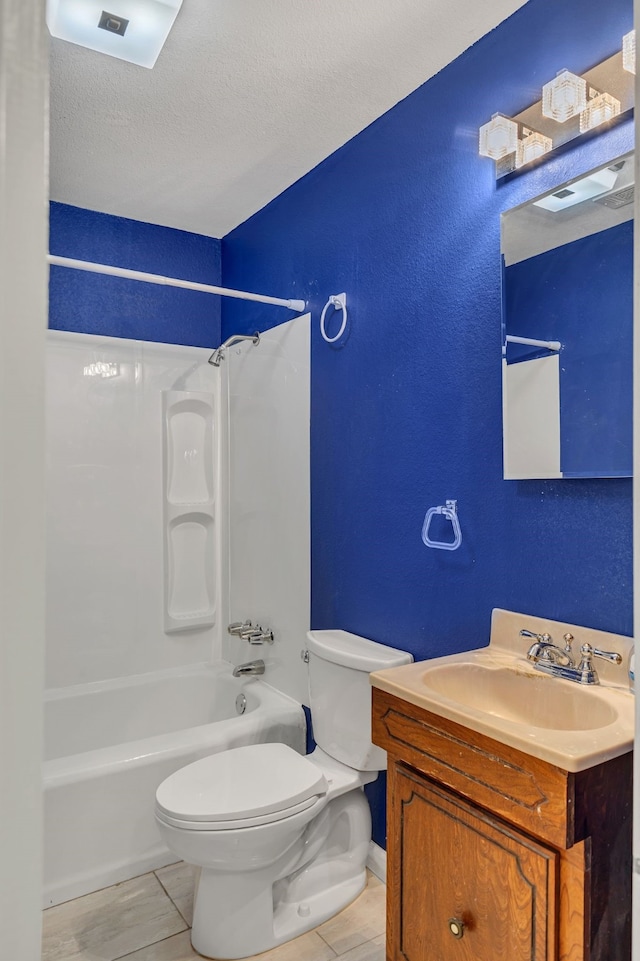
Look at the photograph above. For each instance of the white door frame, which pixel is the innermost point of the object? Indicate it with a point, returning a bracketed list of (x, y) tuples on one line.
[(23, 323)]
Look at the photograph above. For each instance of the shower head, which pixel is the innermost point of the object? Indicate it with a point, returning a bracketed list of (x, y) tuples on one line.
[(218, 354)]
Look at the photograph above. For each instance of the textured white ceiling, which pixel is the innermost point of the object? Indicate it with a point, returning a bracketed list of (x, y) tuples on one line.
[(246, 97)]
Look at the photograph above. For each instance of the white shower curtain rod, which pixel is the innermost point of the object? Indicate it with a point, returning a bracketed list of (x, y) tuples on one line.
[(532, 342), (172, 282)]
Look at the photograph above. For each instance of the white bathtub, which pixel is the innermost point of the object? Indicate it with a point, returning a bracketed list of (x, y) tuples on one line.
[(108, 745)]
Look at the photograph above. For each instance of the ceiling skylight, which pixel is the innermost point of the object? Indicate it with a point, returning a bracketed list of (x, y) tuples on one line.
[(133, 30)]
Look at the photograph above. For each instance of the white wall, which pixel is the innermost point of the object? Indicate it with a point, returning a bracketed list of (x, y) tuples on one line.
[(269, 499), (105, 570), (23, 313)]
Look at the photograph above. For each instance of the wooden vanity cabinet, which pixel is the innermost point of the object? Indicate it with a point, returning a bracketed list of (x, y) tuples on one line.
[(525, 861)]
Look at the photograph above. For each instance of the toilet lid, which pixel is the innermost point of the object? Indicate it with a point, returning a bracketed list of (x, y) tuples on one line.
[(244, 782)]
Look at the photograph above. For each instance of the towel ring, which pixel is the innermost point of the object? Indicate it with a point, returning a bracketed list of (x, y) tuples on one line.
[(450, 511), (339, 301)]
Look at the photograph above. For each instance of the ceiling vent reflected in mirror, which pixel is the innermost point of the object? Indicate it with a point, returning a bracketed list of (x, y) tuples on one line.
[(578, 191), (620, 199)]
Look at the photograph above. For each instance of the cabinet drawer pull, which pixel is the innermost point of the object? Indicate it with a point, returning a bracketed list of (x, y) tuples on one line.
[(456, 926)]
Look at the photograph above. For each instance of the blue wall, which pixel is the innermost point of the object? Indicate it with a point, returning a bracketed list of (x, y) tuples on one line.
[(406, 410), (582, 295), (96, 304)]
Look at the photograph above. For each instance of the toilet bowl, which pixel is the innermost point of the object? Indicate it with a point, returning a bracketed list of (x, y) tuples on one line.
[(281, 840), (261, 881)]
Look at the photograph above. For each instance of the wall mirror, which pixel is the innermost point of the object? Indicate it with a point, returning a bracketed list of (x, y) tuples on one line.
[(567, 302)]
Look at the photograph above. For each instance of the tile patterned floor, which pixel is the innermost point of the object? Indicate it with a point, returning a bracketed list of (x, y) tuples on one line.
[(148, 919)]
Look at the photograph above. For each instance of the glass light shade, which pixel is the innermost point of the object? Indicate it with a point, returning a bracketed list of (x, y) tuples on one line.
[(602, 108), (531, 147), (564, 97), (146, 26), (629, 51), (498, 138)]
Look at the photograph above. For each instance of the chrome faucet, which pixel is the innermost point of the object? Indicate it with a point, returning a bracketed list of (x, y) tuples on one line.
[(250, 668), (543, 649), (551, 659)]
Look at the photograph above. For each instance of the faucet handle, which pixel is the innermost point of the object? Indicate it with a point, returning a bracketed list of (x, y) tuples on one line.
[(612, 656), (542, 647), (588, 652), (256, 635), (237, 627), (541, 638), (589, 675)]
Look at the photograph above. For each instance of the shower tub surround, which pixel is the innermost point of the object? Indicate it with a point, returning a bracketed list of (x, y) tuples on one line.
[(137, 580), (127, 444), (110, 743)]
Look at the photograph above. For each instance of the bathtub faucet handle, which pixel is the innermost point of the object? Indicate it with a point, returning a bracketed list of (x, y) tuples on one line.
[(256, 635), (238, 627)]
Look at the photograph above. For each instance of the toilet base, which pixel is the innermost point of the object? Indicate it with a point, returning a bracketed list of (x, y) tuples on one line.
[(265, 926), (294, 918), (239, 914)]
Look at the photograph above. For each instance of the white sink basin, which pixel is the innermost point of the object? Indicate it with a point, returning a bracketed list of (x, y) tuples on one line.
[(523, 698), (496, 691)]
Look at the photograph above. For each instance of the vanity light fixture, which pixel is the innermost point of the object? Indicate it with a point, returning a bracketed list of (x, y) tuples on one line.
[(570, 105), (531, 146), (502, 137), (600, 108), (133, 30), (499, 137), (564, 97), (629, 51)]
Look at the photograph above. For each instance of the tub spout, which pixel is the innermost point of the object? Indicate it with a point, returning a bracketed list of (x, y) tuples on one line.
[(251, 667)]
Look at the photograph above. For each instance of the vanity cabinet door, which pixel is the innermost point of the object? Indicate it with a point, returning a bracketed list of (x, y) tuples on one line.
[(458, 871)]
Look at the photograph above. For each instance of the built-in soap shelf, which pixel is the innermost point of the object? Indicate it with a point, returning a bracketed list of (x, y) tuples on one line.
[(189, 448), (189, 470)]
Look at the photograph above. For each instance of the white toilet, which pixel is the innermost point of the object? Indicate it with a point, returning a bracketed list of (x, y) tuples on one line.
[(282, 840)]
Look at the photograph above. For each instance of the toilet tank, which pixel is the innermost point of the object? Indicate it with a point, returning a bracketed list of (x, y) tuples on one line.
[(340, 694)]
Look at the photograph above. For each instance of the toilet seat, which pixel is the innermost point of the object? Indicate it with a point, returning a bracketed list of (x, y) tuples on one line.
[(242, 823), (241, 787)]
